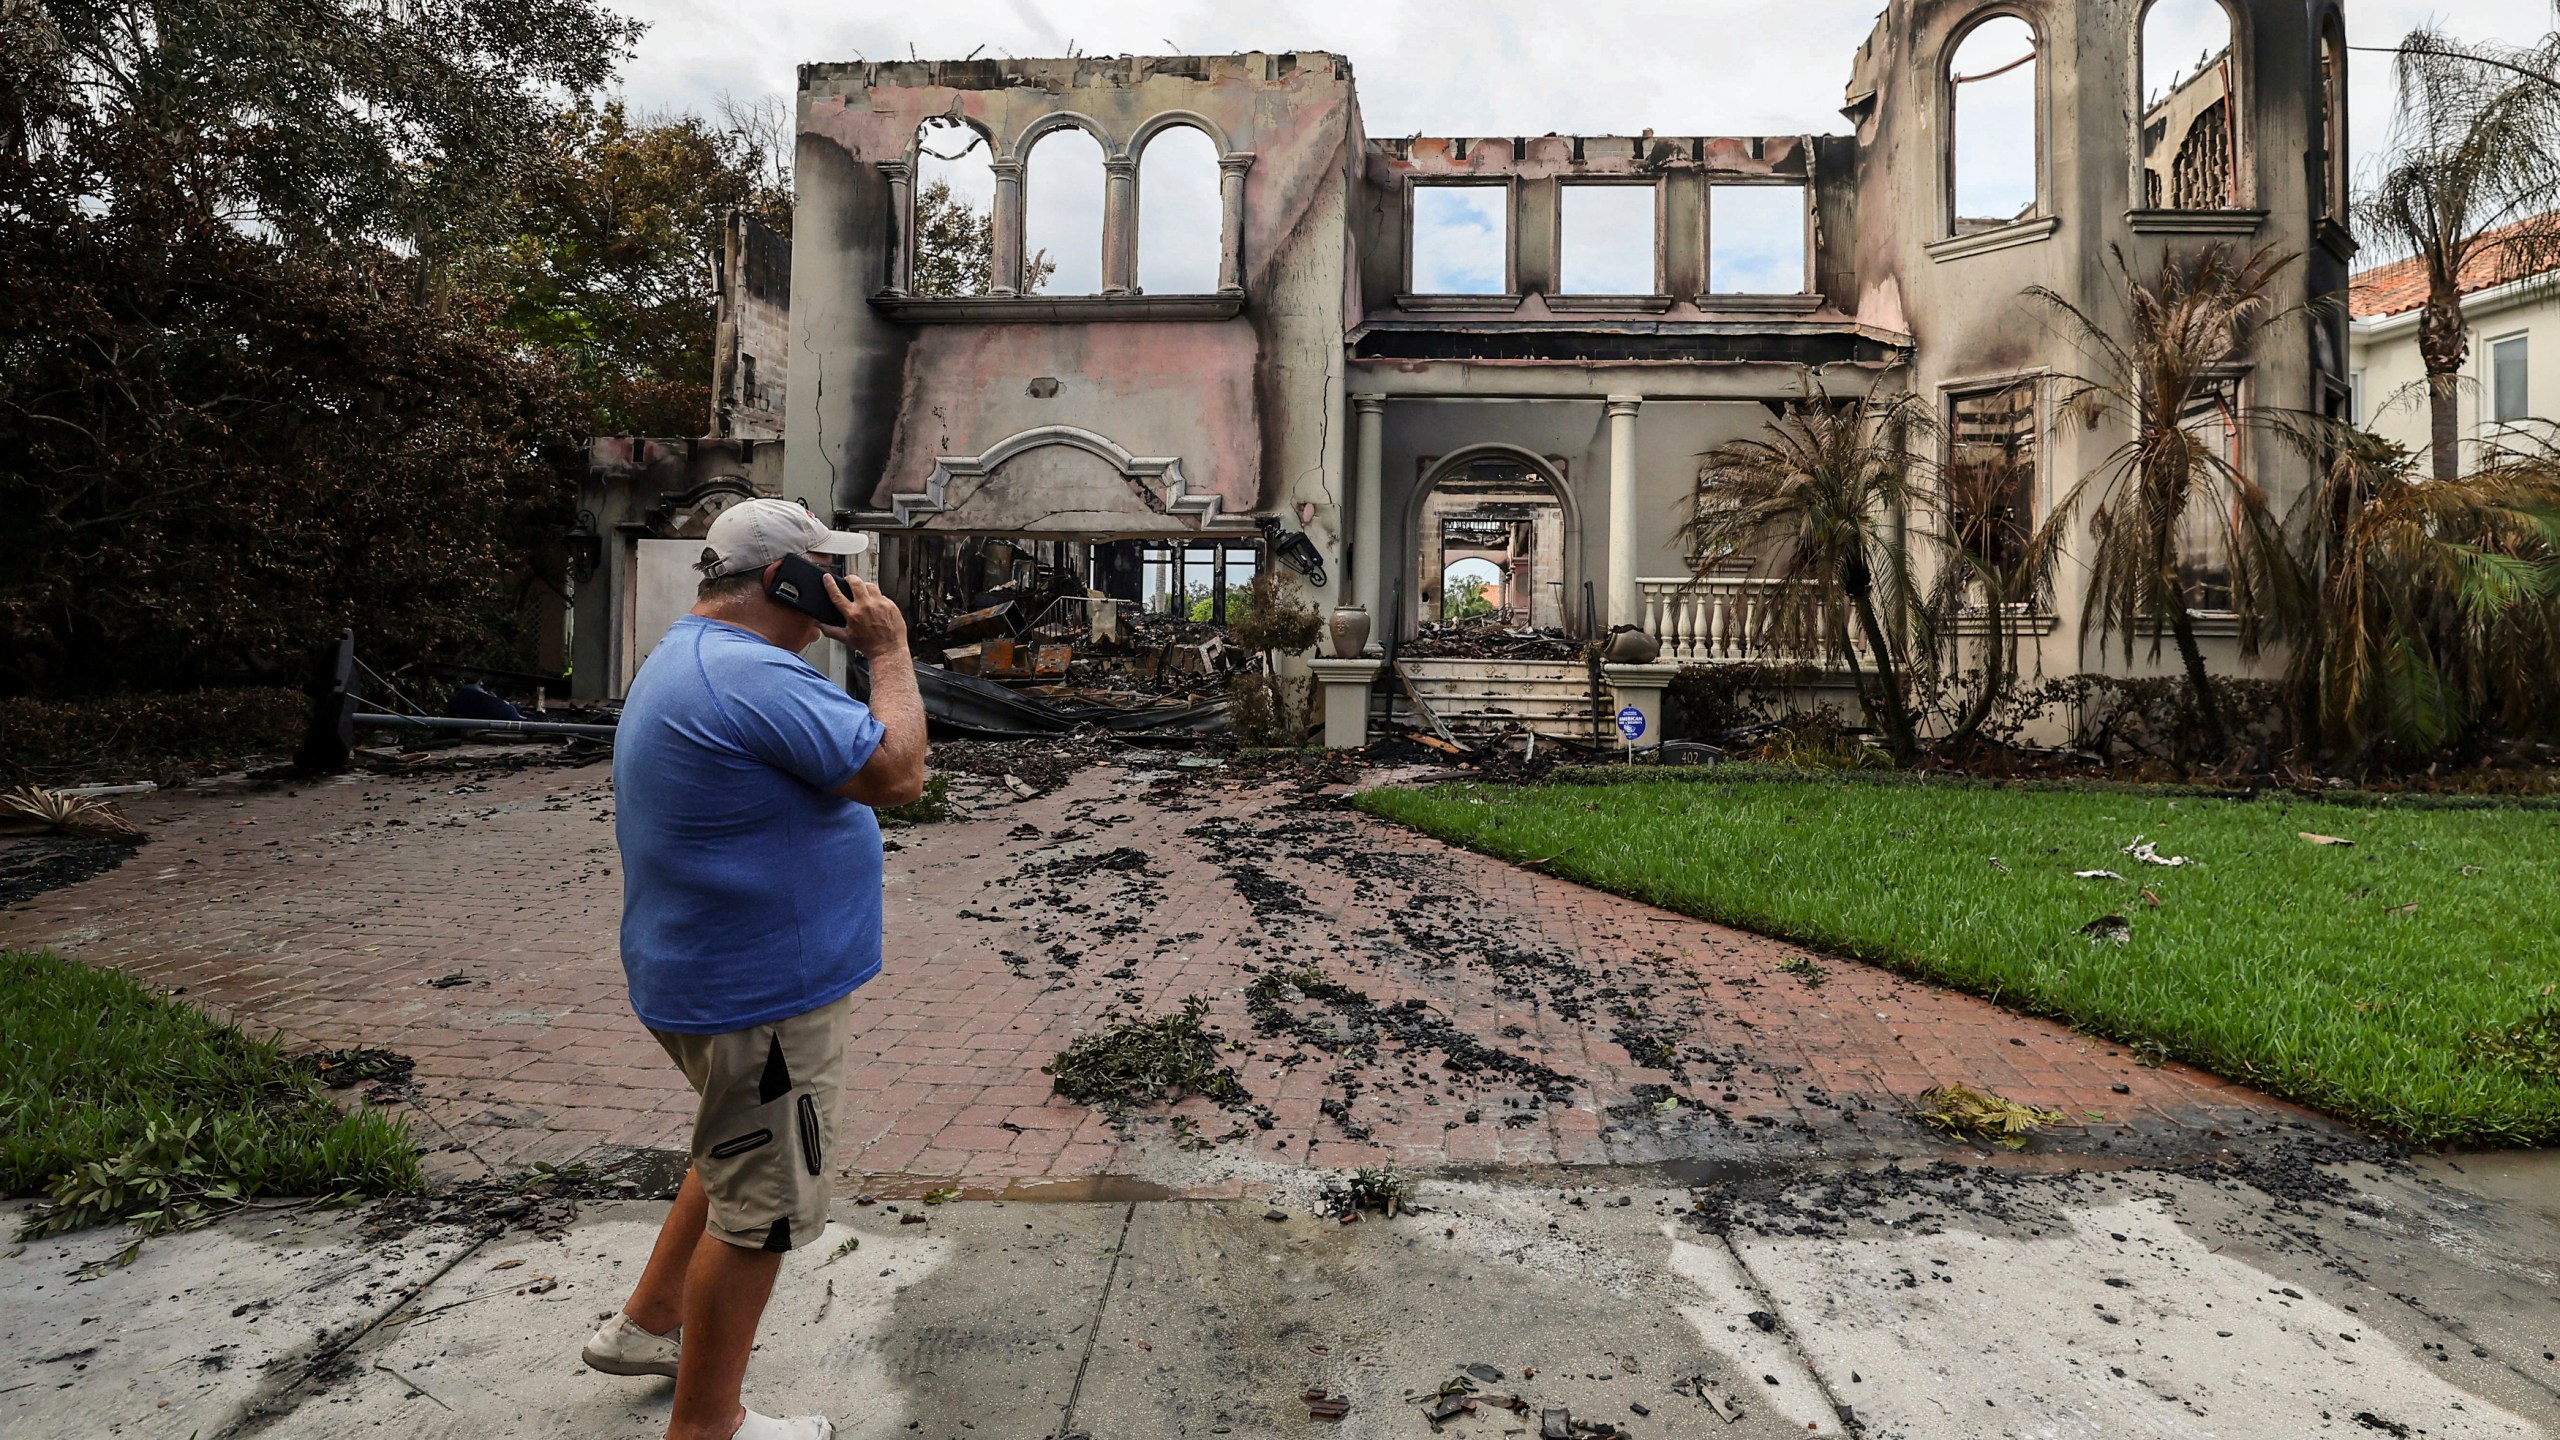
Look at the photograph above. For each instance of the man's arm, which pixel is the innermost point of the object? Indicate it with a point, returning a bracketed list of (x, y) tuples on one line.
[(894, 775)]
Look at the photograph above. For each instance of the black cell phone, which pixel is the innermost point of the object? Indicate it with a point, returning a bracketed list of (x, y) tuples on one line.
[(799, 584)]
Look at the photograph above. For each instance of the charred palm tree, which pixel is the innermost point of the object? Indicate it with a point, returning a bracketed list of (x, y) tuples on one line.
[(1817, 502), (2439, 600), (2168, 383), (1994, 570), (2467, 189)]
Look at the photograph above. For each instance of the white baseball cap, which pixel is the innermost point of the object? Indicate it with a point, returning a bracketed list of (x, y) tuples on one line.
[(754, 533)]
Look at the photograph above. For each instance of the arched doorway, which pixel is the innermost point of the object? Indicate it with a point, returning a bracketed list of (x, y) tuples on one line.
[(1494, 538)]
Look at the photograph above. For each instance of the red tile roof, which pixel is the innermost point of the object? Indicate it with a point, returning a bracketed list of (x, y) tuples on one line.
[(2402, 284)]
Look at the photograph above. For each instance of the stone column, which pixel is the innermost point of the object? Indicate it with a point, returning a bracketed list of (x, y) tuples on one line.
[(1369, 416), (1119, 225), (1231, 170), (1007, 221), (1622, 511), (898, 267)]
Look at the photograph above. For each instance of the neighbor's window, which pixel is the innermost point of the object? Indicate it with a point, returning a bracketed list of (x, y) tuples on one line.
[(1607, 240), (2508, 399), (2190, 110), (1992, 160), (1756, 240), (1991, 471), (1178, 213), (1461, 240), (2355, 397)]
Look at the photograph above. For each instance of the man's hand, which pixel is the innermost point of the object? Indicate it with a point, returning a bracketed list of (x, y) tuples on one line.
[(872, 622)]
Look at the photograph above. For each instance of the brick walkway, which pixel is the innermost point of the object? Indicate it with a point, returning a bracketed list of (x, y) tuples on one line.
[(1470, 1013)]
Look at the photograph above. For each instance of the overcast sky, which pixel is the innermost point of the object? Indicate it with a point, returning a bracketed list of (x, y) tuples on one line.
[(1434, 67)]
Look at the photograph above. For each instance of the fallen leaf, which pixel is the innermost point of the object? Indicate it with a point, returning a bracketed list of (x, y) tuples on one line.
[(2150, 900), (2324, 839), (2095, 875), (2409, 909)]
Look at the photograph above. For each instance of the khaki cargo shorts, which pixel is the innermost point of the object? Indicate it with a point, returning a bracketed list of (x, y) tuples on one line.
[(767, 1123)]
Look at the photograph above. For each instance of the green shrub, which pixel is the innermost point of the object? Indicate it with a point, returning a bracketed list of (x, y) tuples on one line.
[(133, 736)]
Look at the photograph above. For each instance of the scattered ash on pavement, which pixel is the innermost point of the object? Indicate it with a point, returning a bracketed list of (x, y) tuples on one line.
[(30, 867), (387, 1075)]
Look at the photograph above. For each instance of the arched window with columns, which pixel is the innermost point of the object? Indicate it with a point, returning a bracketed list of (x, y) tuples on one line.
[(1179, 213), (1063, 177)]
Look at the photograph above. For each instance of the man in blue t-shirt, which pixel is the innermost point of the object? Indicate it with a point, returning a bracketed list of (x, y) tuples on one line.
[(743, 783)]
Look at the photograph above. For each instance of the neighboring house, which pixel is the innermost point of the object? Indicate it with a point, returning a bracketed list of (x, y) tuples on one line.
[(2510, 382)]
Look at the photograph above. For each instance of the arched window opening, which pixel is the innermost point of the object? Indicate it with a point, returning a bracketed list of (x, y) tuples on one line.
[(2190, 108), (955, 203), (1992, 158), (2333, 121), (1178, 213), (1062, 215)]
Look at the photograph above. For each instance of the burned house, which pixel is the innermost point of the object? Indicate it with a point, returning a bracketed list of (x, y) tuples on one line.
[(1500, 357)]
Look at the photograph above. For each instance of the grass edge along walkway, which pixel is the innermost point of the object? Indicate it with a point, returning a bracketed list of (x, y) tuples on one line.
[(2355, 979), (120, 1103)]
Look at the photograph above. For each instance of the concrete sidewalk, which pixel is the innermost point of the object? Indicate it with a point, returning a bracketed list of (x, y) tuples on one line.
[(1995, 1301)]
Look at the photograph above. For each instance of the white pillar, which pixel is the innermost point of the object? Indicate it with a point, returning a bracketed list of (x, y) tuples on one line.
[(1622, 510), (899, 268), (1007, 222), (1231, 170), (1119, 225), (1369, 416)]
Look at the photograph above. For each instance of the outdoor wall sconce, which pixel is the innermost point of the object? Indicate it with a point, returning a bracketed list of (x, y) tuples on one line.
[(1293, 549), (586, 547)]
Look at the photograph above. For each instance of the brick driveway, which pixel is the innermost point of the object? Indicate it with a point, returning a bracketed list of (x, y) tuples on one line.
[(1473, 1013)]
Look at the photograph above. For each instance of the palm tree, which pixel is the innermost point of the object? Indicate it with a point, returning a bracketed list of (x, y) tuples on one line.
[(2466, 188), (1817, 501), (2439, 600), (1992, 564), (2168, 384)]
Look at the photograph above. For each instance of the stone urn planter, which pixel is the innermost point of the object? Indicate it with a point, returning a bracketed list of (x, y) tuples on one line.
[(1631, 647), (1349, 631)]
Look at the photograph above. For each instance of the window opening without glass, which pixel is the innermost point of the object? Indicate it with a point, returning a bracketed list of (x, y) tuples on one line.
[(1991, 471), (1992, 157), (2190, 138), (955, 200), (1756, 239), (1062, 191), (1607, 240), (1178, 213), (1461, 240)]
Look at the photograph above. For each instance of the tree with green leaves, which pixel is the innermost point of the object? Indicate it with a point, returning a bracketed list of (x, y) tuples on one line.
[(243, 400), (610, 265), (2175, 505), (2467, 187), (1816, 502)]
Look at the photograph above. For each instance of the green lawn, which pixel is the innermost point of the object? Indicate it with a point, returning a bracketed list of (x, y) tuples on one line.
[(122, 1104), (2290, 965)]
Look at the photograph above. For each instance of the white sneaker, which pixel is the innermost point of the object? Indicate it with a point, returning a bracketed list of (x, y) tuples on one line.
[(798, 1427), (621, 1347)]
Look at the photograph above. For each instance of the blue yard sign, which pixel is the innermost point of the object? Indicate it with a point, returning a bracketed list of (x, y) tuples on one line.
[(1631, 723)]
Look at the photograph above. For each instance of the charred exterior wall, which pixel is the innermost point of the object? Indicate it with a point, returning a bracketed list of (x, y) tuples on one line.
[(1963, 299), (1119, 414)]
